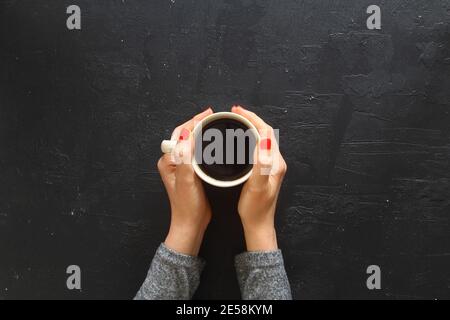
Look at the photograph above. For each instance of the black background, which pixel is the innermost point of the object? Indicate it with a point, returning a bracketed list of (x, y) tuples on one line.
[(364, 120)]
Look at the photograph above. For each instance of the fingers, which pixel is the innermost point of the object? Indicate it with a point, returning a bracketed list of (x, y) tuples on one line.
[(190, 124), (264, 157), (268, 160), (165, 163), (200, 117), (178, 163), (184, 151), (166, 167), (251, 116)]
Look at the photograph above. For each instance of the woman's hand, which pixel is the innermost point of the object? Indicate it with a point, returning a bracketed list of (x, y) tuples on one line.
[(190, 209), (259, 195)]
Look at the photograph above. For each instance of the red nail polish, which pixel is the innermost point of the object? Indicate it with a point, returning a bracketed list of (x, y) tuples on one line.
[(184, 135), (265, 144)]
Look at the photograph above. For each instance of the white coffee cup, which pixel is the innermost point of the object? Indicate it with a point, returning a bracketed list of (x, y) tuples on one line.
[(167, 146)]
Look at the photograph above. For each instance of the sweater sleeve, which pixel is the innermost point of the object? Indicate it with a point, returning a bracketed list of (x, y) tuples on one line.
[(172, 276), (261, 276)]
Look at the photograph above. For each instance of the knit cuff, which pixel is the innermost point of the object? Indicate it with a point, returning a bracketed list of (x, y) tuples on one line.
[(179, 259), (258, 259)]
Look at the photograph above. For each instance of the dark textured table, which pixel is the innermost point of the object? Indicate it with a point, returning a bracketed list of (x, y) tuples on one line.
[(363, 114)]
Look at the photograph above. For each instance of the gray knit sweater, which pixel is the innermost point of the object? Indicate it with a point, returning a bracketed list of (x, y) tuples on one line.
[(175, 276)]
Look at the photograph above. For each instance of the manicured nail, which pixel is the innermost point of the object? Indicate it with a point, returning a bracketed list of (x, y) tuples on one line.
[(184, 135), (265, 144)]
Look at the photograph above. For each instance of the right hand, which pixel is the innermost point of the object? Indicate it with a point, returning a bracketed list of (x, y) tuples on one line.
[(258, 200)]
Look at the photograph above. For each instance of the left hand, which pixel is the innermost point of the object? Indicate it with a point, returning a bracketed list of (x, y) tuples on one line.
[(190, 209)]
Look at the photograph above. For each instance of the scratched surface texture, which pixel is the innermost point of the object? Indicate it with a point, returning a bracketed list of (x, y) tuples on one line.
[(364, 120)]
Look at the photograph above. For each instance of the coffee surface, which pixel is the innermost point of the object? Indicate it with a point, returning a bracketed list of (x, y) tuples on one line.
[(223, 170)]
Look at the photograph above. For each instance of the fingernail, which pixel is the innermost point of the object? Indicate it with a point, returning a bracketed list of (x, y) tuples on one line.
[(184, 135), (265, 144)]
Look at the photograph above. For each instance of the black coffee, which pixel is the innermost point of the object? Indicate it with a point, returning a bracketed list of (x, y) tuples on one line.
[(227, 149)]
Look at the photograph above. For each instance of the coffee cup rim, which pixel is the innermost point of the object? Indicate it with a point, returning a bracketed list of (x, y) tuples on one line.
[(200, 173)]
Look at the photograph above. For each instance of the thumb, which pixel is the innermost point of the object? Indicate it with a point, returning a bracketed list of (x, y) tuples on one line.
[(184, 151), (263, 162)]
